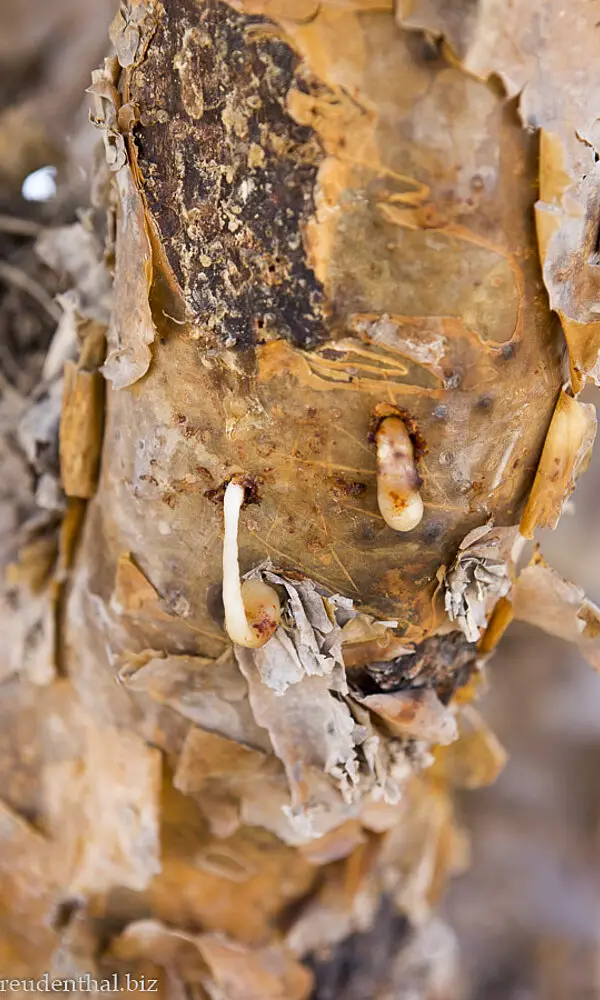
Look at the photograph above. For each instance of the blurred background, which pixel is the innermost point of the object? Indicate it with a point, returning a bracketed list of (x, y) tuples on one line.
[(527, 912)]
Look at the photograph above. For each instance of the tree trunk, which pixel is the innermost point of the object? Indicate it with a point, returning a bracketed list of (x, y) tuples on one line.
[(325, 248)]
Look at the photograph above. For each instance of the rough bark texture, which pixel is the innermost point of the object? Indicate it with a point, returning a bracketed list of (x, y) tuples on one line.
[(321, 220)]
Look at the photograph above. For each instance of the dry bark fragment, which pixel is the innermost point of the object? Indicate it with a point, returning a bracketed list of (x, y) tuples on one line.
[(81, 426), (416, 713), (210, 693), (476, 758), (213, 961), (103, 814), (478, 577), (419, 855), (236, 885), (566, 454), (543, 598), (133, 593), (27, 887), (219, 773), (131, 329)]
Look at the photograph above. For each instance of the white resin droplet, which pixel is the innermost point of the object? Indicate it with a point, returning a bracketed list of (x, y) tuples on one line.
[(252, 609), (398, 493)]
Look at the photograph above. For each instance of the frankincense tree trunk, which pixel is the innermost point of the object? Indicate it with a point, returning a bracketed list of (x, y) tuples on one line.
[(327, 294)]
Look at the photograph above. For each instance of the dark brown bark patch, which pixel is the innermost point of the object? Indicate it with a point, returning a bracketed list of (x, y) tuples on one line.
[(360, 966), (228, 174), (443, 662)]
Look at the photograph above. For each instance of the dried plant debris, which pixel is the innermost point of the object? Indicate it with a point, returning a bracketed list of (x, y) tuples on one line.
[(33, 547), (421, 850), (313, 733), (220, 774), (28, 635), (38, 428), (75, 253), (367, 641), (27, 888), (543, 598), (567, 226), (42, 523), (567, 452), (346, 899), (28, 312), (106, 112), (300, 755), (478, 577)]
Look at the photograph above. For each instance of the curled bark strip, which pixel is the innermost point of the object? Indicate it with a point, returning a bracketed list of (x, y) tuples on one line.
[(566, 455)]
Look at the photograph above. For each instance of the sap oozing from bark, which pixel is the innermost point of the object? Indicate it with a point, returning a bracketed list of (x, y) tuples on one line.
[(398, 481), (404, 263)]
